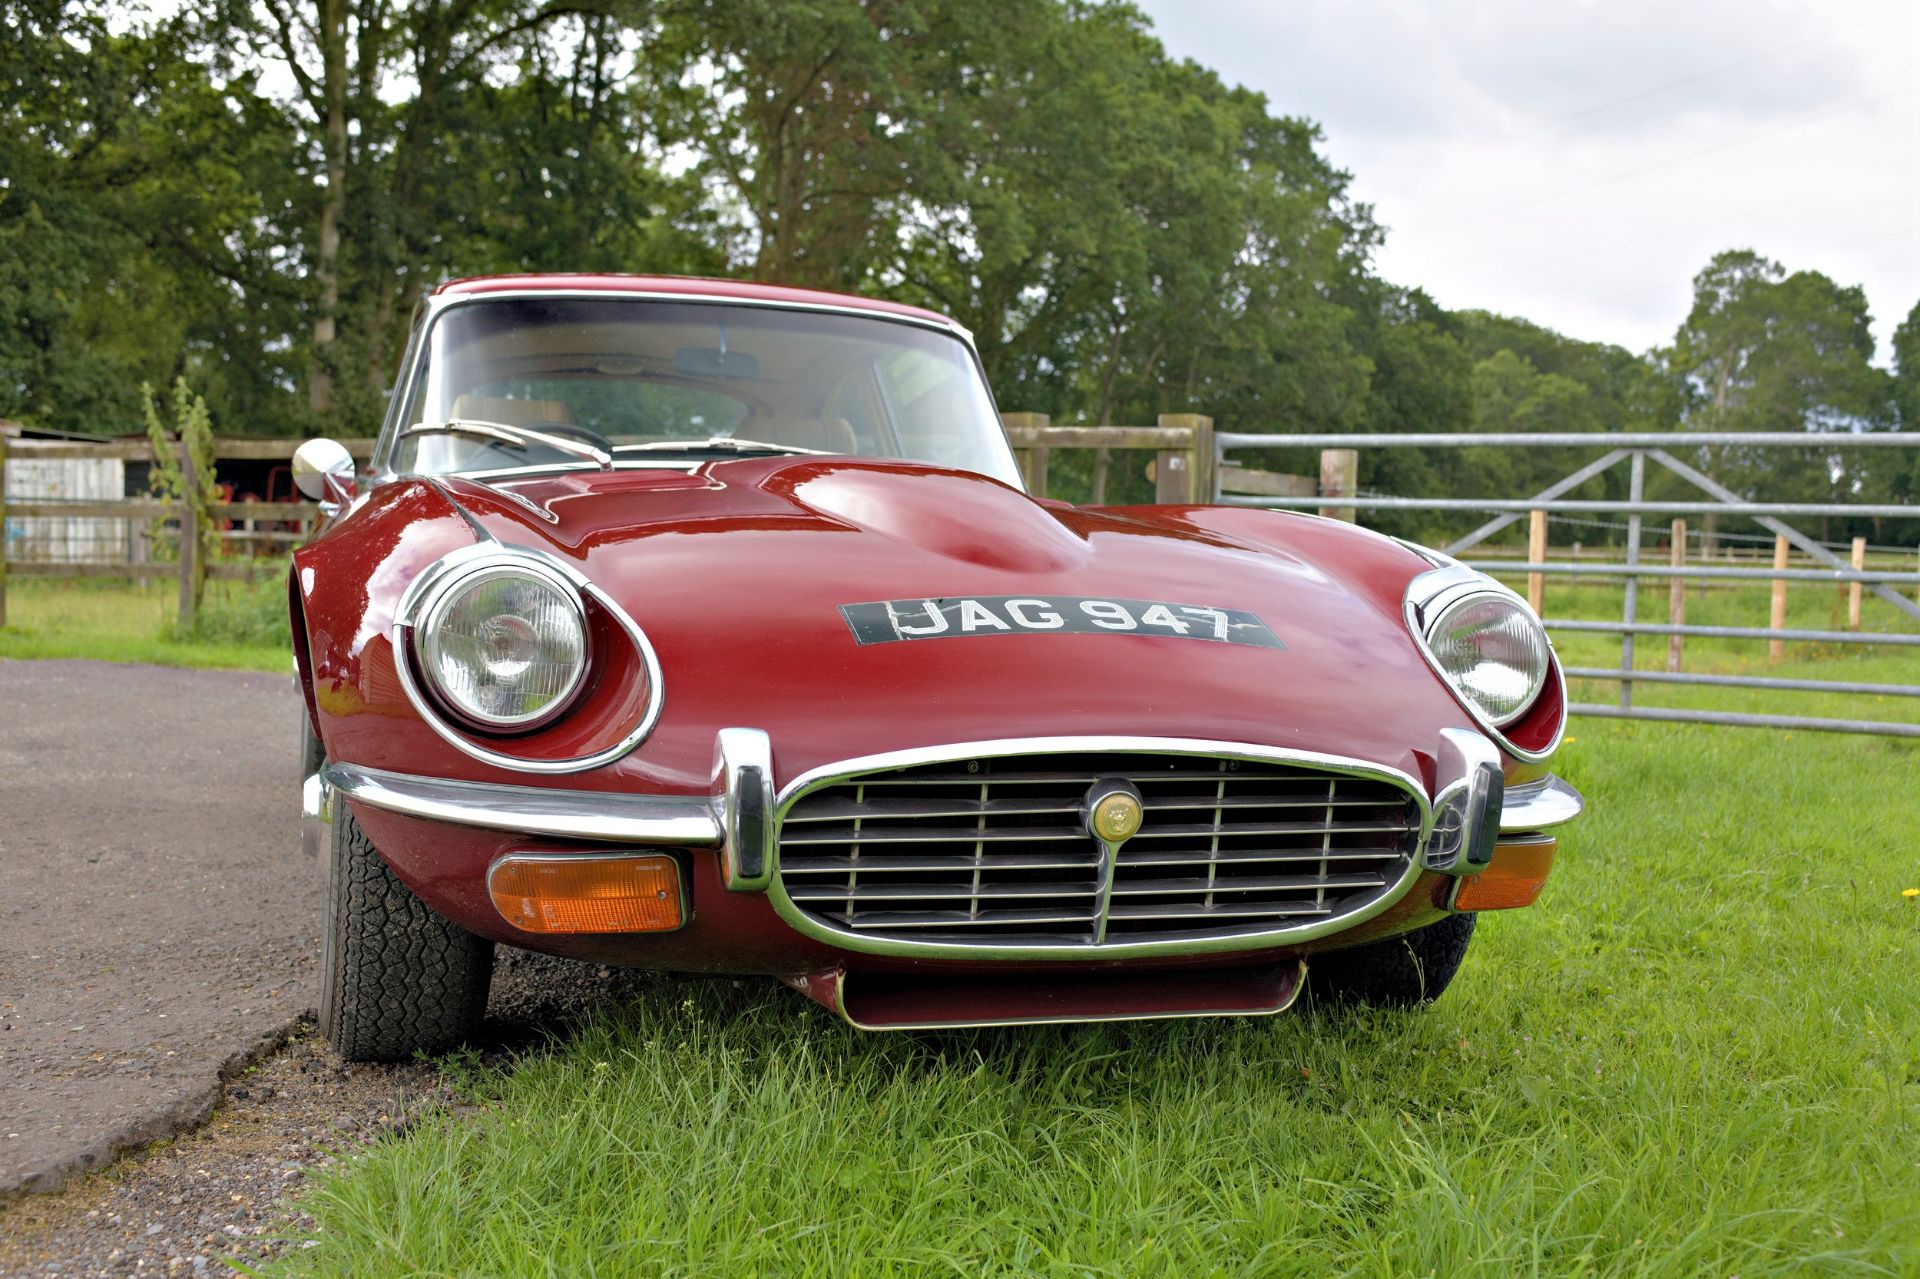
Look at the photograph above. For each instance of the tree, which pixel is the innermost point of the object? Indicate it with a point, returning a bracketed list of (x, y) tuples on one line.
[(1763, 350), (1906, 371), (452, 137), (142, 206)]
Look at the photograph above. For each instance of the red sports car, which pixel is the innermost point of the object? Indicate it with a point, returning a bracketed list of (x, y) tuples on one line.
[(706, 626)]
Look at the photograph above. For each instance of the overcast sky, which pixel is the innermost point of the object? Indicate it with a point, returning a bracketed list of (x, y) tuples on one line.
[(1577, 163)]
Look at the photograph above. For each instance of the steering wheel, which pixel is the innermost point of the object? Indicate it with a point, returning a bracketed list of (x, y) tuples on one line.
[(572, 431)]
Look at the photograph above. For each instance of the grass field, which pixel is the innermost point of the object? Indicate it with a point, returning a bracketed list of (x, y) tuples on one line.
[(1699, 1055), (135, 622)]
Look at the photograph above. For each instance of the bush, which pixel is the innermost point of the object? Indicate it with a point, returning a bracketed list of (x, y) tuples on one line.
[(251, 613)]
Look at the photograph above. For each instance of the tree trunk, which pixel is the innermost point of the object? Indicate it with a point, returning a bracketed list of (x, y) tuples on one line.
[(326, 264)]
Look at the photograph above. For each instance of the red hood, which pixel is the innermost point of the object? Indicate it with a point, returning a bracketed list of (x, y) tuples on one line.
[(737, 572)]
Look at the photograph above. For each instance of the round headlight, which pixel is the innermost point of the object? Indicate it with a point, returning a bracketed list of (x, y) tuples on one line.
[(506, 647), (1494, 650)]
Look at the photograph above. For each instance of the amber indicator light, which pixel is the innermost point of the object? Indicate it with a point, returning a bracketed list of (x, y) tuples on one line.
[(609, 894), (1513, 878)]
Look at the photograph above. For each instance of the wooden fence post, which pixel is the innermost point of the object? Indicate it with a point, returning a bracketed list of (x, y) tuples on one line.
[(189, 539), (1677, 595), (1853, 588), (1196, 459), (1172, 477), (1033, 461), (3, 527), (1777, 649), (1339, 477), (1537, 554), (1102, 458)]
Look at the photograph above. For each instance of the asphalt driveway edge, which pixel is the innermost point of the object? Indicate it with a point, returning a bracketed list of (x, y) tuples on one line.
[(182, 1114)]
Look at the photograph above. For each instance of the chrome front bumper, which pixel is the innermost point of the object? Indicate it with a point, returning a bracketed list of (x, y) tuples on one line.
[(737, 817)]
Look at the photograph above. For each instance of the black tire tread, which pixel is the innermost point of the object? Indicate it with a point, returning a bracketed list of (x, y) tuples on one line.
[(1396, 972), (396, 978)]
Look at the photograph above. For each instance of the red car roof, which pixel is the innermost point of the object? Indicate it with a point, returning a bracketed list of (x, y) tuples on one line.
[(690, 286)]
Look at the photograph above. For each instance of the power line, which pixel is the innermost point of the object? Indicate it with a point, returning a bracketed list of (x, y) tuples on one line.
[(1722, 69)]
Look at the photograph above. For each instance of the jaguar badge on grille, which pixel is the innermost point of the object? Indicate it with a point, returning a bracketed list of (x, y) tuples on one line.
[(1114, 812)]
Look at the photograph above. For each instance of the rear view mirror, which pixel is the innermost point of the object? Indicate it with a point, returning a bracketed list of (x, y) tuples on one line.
[(716, 362)]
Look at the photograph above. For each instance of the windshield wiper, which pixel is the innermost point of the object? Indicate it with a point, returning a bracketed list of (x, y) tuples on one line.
[(514, 437), (718, 444)]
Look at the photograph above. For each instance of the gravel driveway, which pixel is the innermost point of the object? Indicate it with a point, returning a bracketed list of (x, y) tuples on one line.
[(158, 923)]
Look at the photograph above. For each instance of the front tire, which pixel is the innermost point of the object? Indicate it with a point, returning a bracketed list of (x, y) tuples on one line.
[(1399, 972), (395, 978)]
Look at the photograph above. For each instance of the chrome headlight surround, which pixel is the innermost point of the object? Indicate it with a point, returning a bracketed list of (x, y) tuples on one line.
[(431, 639), (1430, 598), (421, 600)]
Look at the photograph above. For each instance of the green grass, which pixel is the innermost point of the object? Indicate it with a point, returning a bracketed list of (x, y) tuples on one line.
[(135, 622), (1698, 1055)]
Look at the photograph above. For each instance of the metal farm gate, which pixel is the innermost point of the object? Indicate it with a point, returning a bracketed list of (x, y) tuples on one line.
[(1637, 451)]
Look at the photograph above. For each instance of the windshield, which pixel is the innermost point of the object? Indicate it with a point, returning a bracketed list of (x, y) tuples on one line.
[(650, 382)]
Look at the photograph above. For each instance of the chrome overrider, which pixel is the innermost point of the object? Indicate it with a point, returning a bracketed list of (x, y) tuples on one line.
[(1469, 812)]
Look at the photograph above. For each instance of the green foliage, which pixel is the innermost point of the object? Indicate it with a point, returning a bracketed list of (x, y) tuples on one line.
[(146, 214), (1764, 350), (249, 615), (192, 438)]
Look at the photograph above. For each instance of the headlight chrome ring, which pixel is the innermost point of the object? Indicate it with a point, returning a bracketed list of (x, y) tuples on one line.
[(441, 580), (1487, 647), (504, 645), (1494, 650)]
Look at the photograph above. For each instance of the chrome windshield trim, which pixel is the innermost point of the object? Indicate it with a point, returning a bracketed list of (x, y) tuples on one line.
[(1540, 805), (379, 466), (609, 816), (802, 922)]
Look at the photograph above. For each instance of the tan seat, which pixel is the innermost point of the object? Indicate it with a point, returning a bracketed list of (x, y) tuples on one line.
[(498, 408), (821, 434)]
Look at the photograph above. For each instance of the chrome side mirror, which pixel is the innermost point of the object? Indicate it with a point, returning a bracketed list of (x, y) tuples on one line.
[(323, 472)]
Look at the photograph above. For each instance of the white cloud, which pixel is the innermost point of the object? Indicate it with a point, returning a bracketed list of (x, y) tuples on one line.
[(1577, 163)]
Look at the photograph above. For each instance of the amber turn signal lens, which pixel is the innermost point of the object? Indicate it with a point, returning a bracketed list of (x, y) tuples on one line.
[(1513, 878), (591, 894)]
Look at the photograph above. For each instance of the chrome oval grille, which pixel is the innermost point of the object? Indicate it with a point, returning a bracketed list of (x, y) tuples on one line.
[(996, 851)]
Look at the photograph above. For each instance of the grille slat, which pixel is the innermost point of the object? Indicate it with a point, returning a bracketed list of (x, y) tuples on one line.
[(961, 919), (1315, 829), (962, 892), (1125, 912), (892, 809), (1244, 884), (1132, 857), (1231, 802), (996, 851), (816, 864)]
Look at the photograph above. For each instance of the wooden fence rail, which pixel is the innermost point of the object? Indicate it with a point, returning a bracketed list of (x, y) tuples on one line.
[(293, 519)]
